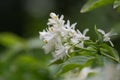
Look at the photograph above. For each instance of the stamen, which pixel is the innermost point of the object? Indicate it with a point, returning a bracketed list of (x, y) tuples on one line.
[(46, 41)]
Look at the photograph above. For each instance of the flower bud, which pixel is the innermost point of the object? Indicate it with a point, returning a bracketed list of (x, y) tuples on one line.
[(53, 15)]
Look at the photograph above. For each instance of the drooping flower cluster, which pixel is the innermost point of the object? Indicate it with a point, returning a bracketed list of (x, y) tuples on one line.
[(60, 38)]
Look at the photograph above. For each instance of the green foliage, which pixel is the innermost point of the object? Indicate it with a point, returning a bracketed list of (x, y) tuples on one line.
[(109, 52), (10, 40), (116, 4), (73, 62), (23, 59), (94, 57), (96, 54), (93, 4), (100, 38)]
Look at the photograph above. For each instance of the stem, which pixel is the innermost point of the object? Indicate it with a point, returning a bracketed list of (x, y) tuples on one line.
[(111, 58)]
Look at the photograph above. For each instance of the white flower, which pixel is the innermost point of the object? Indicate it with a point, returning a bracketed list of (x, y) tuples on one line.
[(106, 36), (59, 37), (48, 38), (79, 38), (51, 35), (49, 46), (69, 30), (62, 50), (59, 53), (57, 24), (55, 21)]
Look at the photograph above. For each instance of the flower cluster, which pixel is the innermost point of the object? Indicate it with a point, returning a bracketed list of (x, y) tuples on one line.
[(61, 38)]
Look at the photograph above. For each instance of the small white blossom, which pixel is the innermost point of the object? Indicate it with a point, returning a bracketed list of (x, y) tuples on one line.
[(106, 36), (69, 30), (55, 21), (48, 47), (60, 53), (79, 38), (48, 37)]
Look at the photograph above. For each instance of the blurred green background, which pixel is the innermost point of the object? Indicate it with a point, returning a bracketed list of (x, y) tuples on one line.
[(21, 56)]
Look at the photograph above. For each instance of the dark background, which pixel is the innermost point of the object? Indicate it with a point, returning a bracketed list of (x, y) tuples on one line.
[(27, 17)]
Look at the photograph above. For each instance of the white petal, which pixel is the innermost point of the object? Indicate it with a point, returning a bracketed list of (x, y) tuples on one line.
[(73, 26), (49, 46), (85, 31), (68, 23), (101, 31), (81, 45), (111, 34), (108, 34), (111, 43), (51, 21), (106, 38), (86, 38), (74, 40), (60, 53), (62, 17), (79, 32), (53, 15)]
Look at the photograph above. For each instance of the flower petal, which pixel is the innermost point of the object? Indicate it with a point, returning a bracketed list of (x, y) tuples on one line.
[(85, 31), (79, 32), (111, 43), (86, 38), (101, 31), (81, 45), (73, 26), (53, 15)]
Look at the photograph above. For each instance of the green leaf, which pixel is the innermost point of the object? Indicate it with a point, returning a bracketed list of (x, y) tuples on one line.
[(92, 4), (116, 4), (109, 52), (100, 37), (25, 61), (56, 62), (92, 48), (10, 40), (34, 43), (72, 63)]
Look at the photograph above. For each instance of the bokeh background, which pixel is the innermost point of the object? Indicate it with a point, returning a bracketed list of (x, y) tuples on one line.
[(21, 56)]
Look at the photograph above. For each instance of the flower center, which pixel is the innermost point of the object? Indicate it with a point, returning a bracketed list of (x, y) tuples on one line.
[(46, 41)]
